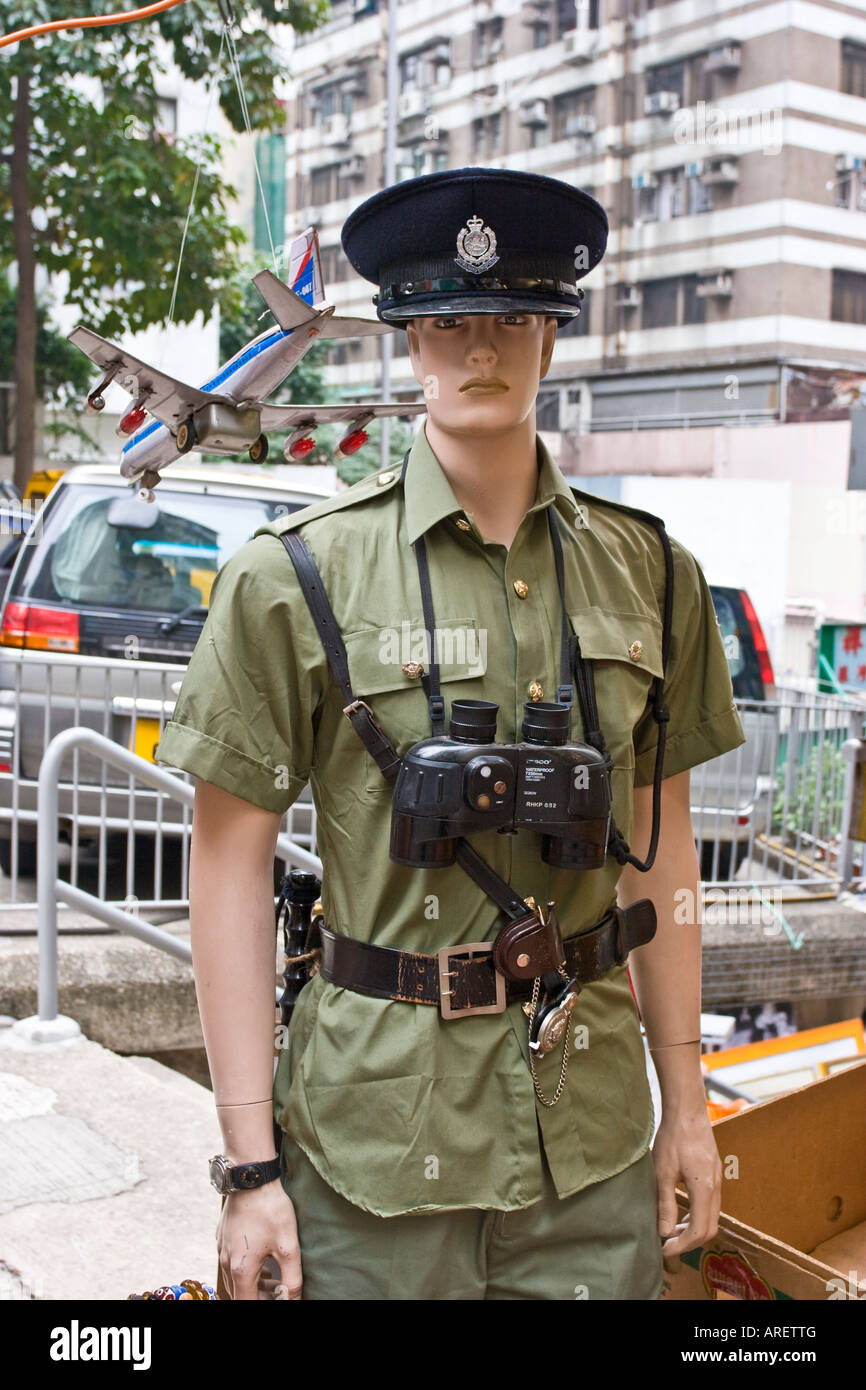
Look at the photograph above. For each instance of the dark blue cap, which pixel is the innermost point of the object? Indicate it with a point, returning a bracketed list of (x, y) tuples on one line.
[(477, 241)]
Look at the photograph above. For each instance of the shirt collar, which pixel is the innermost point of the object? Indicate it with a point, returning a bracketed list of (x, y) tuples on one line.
[(429, 497)]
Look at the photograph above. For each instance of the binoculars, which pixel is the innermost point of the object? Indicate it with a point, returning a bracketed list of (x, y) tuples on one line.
[(465, 781)]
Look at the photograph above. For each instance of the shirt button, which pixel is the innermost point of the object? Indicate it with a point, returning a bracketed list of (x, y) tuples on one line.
[(463, 525), (521, 588), (536, 691), (635, 651), (384, 478)]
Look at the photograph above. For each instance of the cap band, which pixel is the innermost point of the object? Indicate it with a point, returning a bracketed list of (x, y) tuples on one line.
[(449, 284)]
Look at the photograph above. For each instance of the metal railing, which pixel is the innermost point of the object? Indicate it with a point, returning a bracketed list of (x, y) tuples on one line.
[(127, 841), (776, 802), (776, 805), (52, 889)]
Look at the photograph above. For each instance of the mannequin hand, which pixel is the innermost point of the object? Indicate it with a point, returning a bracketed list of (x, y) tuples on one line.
[(684, 1150), (252, 1226)]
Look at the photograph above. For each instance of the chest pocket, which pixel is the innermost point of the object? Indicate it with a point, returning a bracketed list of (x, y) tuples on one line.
[(376, 657), (622, 679)]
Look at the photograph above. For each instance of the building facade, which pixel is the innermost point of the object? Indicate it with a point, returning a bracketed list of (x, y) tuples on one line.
[(727, 142)]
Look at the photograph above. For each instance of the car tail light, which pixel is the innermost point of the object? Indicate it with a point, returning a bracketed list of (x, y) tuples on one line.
[(761, 648), (39, 629)]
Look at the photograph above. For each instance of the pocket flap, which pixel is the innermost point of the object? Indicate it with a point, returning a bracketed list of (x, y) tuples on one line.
[(608, 636), (377, 655)]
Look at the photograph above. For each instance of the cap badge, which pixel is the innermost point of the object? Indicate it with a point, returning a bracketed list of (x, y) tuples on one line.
[(476, 247)]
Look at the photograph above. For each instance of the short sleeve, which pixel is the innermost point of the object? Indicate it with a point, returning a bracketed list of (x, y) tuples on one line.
[(703, 717), (244, 717)]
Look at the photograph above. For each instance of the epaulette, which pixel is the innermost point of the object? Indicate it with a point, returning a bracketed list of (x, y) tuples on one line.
[(593, 497), (376, 485)]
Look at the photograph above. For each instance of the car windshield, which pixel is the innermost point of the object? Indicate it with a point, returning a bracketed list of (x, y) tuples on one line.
[(108, 548)]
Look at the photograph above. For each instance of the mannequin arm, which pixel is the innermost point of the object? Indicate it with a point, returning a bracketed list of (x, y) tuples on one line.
[(667, 979)]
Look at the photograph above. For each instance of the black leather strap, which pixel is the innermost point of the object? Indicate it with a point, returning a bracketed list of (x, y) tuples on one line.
[(411, 977), (246, 1176)]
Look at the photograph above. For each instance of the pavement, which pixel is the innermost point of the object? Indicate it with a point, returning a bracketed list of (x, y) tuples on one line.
[(105, 1189)]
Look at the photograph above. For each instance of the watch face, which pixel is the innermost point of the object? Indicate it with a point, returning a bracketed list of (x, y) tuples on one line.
[(219, 1174)]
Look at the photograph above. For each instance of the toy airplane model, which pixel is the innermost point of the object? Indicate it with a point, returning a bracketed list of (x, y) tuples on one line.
[(228, 414)]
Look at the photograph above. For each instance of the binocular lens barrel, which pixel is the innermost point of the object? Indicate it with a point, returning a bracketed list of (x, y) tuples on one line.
[(546, 722), (473, 721)]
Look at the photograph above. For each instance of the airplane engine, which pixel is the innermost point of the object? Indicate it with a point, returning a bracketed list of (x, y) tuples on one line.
[(298, 445), (353, 441)]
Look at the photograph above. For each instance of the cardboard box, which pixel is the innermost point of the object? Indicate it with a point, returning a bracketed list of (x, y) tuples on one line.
[(793, 1223)]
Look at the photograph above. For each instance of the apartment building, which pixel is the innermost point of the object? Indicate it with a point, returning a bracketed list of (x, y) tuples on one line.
[(727, 141)]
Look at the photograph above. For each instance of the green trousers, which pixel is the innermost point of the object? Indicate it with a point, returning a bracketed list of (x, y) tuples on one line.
[(601, 1243)]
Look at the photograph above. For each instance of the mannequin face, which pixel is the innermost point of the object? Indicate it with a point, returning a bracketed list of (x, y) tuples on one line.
[(511, 350)]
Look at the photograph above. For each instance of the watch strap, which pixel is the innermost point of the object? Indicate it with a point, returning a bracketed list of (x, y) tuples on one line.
[(247, 1176)]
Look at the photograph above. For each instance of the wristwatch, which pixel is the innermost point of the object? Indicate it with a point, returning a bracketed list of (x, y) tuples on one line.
[(243, 1177)]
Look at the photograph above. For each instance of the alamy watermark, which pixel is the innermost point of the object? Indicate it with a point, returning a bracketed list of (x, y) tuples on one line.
[(462, 645)]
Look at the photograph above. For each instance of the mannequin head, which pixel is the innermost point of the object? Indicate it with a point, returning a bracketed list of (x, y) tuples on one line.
[(449, 350)]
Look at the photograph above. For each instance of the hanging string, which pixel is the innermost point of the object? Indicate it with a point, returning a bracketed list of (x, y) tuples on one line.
[(239, 84)]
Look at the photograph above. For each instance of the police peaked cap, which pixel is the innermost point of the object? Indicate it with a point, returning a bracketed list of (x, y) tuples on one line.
[(478, 241)]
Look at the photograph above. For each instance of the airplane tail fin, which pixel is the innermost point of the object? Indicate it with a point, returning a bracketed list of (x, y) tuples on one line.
[(305, 267)]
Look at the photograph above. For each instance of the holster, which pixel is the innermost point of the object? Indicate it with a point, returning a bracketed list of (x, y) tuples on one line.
[(529, 947)]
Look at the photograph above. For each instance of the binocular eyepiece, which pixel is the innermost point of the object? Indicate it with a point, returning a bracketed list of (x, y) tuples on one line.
[(465, 781)]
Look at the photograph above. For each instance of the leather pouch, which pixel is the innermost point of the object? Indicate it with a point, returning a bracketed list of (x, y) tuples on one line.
[(539, 941)]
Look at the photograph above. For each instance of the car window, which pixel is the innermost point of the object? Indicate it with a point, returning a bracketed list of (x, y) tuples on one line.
[(742, 657), (104, 547)]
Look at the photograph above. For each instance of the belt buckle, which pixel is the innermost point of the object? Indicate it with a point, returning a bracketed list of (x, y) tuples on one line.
[(445, 957)]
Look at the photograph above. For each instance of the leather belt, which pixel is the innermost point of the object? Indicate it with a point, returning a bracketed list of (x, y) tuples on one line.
[(462, 980)]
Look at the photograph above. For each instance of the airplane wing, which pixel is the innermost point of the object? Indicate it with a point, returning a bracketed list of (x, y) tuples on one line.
[(281, 417), (169, 400), (290, 311)]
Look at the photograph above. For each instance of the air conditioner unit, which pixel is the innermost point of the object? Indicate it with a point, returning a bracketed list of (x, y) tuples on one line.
[(580, 125), (579, 44), (439, 52), (335, 130), (850, 163), (644, 180), (411, 103), (695, 168), (661, 103), (628, 297), (534, 113), (720, 171), (534, 13), (726, 58), (719, 286), (352, 168), (495, 48)]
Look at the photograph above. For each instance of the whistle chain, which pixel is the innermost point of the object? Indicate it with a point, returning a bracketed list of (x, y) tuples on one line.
[(533, 1009)]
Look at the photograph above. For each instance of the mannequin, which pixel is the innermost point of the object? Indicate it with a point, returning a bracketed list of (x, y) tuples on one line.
[(484, 439)]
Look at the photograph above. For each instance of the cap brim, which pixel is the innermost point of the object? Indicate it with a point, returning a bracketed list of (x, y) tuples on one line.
[(394, 311)]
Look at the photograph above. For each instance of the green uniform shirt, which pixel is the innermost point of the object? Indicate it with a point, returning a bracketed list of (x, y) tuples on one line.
[(399, 1109)]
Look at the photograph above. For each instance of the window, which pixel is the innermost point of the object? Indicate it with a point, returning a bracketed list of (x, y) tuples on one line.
[(540, 35), (547, 411), (694, 305), (854, 68), (487, 135), (670, 77), (428, 67), (417, 159), (576, 14), (580, 102), (849, 296), (671, 301), (700, 196), (323, 184), (850, 189), (487, 40)]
